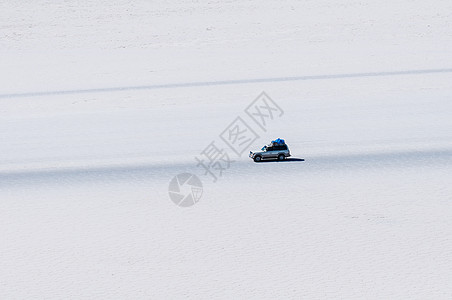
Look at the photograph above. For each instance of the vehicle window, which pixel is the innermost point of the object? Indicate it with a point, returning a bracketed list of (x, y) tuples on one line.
[(269, 148)]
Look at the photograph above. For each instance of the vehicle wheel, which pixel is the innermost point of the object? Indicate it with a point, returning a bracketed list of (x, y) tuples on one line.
[(281, 157), (257, 159)]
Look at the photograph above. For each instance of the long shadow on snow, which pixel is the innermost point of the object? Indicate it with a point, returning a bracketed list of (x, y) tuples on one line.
[(286, 160), (163, 172)]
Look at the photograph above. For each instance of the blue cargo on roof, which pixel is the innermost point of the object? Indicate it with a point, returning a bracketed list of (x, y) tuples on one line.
[(278, 141)]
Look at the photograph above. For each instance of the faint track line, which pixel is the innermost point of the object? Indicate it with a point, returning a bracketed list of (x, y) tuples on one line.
[(222, 82)]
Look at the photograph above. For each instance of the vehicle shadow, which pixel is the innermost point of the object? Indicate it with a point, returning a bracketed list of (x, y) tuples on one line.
[(286, 160)]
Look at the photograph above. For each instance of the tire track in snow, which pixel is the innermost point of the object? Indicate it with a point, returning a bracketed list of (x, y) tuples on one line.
[(222, 82)]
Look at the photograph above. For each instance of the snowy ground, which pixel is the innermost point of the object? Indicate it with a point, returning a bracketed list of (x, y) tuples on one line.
[(88, 87)]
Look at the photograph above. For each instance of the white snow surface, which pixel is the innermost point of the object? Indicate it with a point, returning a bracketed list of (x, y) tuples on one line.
[(102, 103)]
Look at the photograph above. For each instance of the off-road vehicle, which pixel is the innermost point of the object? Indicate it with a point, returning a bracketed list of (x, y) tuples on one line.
[(277, 149)]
